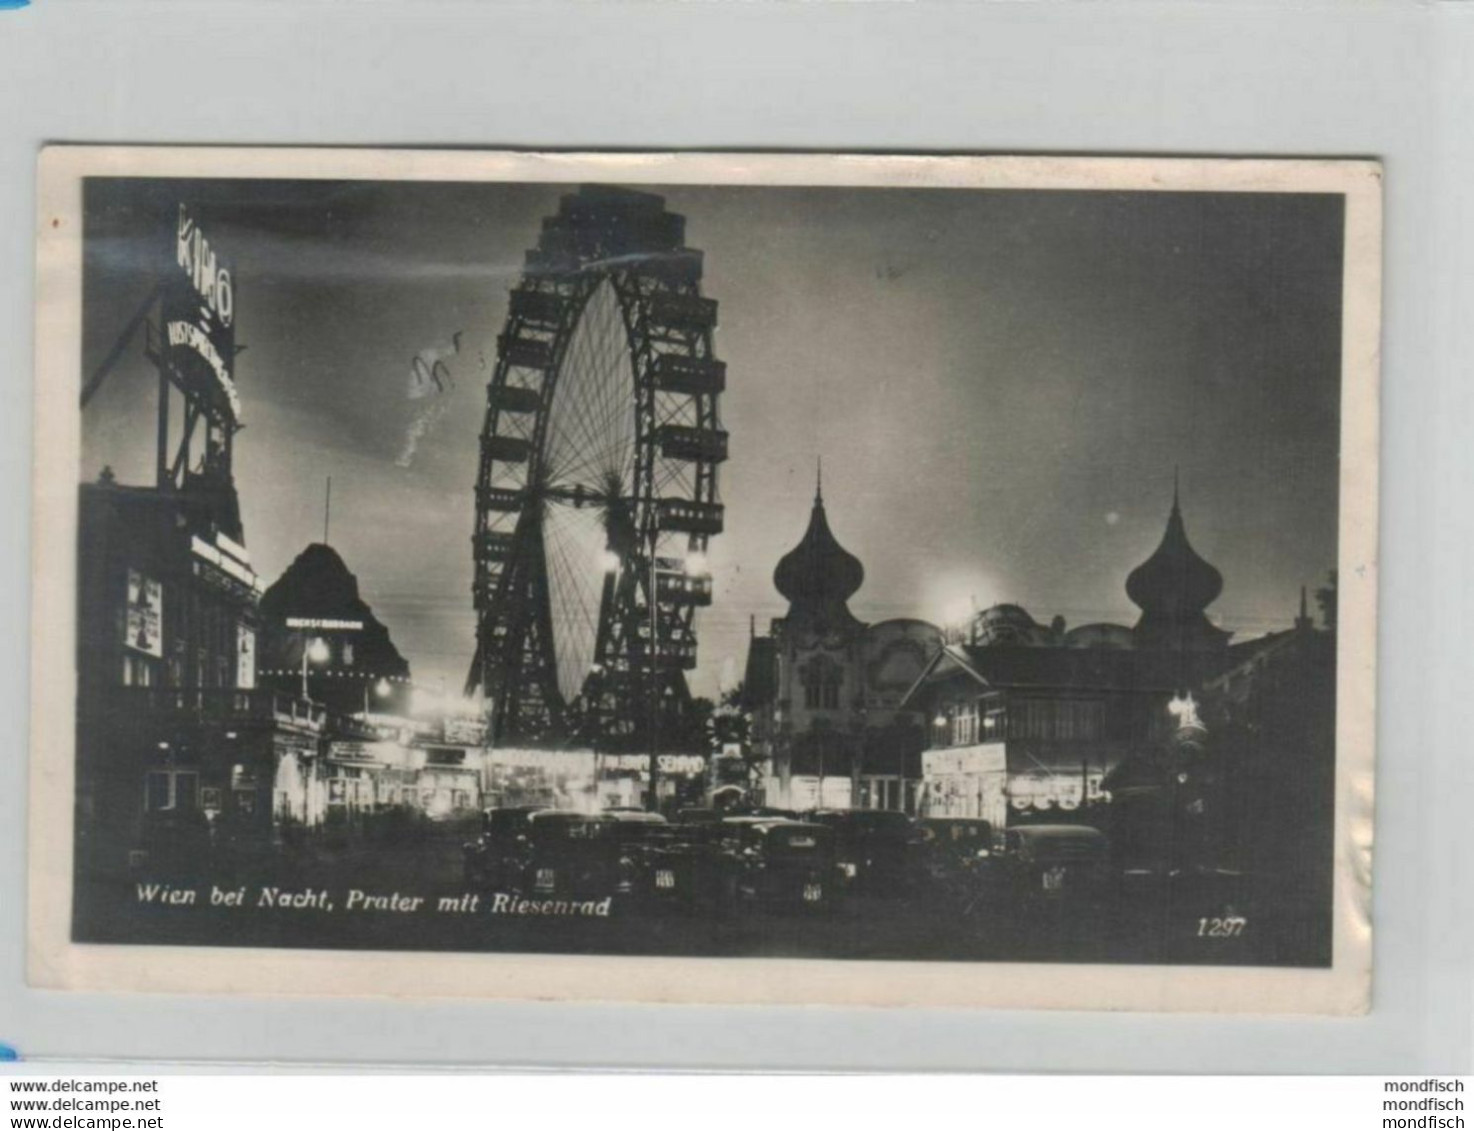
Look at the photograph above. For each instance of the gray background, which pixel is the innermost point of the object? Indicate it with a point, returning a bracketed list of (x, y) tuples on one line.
[(1387, 80)]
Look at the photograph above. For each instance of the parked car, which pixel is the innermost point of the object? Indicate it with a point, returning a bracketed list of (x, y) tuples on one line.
[(685, 867), (780, 863), (955, 848), (1052, 862), (878, 850), (699, 816), (488, 860), (573, 854), (549, 852)]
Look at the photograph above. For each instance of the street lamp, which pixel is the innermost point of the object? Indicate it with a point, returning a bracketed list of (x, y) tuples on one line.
[(313, 651), (381, 691)]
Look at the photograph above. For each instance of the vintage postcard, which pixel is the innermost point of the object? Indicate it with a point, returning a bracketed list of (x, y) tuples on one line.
[(706, 578)]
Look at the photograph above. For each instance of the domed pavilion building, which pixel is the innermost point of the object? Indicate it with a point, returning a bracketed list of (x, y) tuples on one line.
[(1028, 721), (824, 689)]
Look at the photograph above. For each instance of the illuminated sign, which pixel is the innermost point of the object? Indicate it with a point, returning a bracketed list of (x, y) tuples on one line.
[(143, 627), (1051, 791), (245, 656), (471, 732), (202, 549), (210, 278), (325, 623), (668, 763), (988, 757), (199, 313), (348, 752)]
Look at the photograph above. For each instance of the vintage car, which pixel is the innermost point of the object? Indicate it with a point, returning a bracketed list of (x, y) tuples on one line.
[(685, 867), (956, 851), (764, 812), (488, 860), (877, 849), (573, 854), (698, 816), (637, 832), (1052, 862), (556, 852), (779, 863)]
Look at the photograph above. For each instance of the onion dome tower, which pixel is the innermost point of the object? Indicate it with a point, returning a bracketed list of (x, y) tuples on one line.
[(1172, 588), (819, 576)]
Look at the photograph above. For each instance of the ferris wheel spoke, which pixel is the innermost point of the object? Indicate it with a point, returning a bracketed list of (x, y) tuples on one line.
[(591, 421), (575, 617)]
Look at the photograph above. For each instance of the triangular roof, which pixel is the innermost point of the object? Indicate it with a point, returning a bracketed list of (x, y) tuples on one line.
[(1087, 669)]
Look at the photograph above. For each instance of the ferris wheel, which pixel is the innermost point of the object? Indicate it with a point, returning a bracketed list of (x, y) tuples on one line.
[(596, 495)]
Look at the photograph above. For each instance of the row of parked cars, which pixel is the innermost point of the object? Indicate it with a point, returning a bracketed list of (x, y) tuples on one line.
[(706, 860)]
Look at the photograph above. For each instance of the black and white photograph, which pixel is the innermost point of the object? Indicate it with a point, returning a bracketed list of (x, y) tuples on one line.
[(962, 564)]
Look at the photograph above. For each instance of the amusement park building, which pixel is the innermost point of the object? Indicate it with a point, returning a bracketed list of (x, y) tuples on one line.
[(825, 690), (184, 744), (176, 742), (1028, 722), (316, 602)]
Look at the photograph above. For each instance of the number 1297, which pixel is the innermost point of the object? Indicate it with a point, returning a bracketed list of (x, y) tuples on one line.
[(1229, 927)]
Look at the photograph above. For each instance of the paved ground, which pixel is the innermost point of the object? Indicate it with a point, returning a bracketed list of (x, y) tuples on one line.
[(310, 903)]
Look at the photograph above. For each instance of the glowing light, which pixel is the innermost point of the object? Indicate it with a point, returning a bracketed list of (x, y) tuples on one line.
[(317, 651), (609, 561), (1184, 710), (382, 688)]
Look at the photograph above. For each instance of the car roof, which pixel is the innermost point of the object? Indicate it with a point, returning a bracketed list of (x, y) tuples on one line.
[(636, 816), (860, 814), (1057, 832), (569, 815)]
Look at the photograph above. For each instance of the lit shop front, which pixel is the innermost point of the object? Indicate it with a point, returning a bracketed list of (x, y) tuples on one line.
[(624, 780), (354, 777), (584, 779), (966, 781)]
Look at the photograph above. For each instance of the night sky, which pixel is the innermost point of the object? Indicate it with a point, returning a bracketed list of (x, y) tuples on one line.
[(1000, 384)]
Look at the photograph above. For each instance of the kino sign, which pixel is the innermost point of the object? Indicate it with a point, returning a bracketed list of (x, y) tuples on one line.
[(199, 313), (210, 279)]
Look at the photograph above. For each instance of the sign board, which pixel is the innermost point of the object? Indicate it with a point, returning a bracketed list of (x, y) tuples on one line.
[(199, 314), (988, 757), (667, 763), (143, 628), (470, 732), (351, 753), (1051, 791), (223, 562), (325, 624), (245, 656)]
